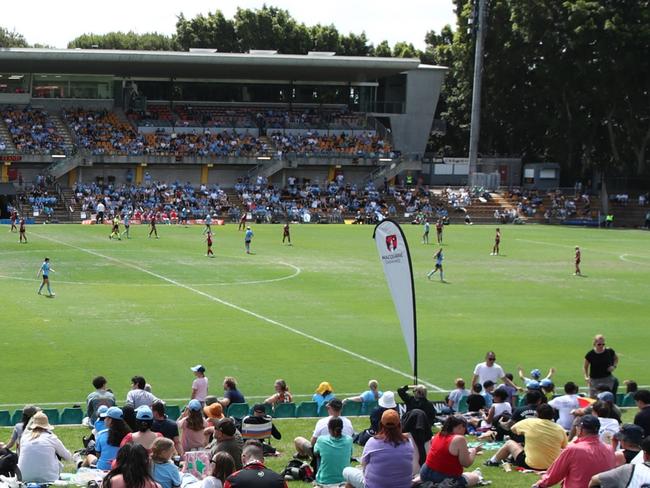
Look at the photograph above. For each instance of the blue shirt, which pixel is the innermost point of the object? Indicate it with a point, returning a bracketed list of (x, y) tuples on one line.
[(369, 396), (45, 268), (106, 452), (439, 259), (320, 399), (166, 474), (249, 235), (127, 220), (426, 227)]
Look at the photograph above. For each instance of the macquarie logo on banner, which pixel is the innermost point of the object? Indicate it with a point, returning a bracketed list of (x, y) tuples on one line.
[(396, 260)]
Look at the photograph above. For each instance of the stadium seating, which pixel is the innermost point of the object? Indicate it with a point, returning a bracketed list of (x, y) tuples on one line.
[(351, 409), (71, 416), (238, 410), (173, 411), (52, 415), (5, 418), (367, 407), (462, 405), (284, 410), (307, 409), (322, 411), (268, 409), (628, 400), (16, 417)]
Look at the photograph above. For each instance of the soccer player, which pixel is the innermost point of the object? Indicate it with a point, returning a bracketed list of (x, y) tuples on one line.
[(438, 257), (208, 239), (21, 231), (14, 216), (577, 259), (45, 271), (285, 233), (439, 228), (115, 232), (127, 224), (242, 222), (208, 223), (248, 237), (497, 240), (152, 225), (425, 236)]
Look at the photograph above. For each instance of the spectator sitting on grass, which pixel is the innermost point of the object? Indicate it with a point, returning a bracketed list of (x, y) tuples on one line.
[(642, 418), (281, 395), (627, 475), (630, 438), (254, 473), (138, 395), (132, 469), (230, 392), (418, 400), (565, 404), (227, 440), (334, 452), (334, 407), (260, 417), (324, 393), (476, 401), (163, 470), (223, 465), (532, 400), (19, 428), (455, 396), (144, 435), (101, 396), (372, 394), (167, 427), (192, 425), (109, 440)]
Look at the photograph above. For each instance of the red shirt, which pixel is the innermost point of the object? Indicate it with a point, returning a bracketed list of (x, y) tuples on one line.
[(440, 459)]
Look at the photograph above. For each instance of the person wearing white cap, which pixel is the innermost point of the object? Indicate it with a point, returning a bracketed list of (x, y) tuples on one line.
[(200, 384), (39, 449)]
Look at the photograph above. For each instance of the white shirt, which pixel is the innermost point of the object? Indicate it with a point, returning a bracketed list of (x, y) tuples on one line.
[(201, 387), (485, 372), (139, 397), (564, 404), (321, 427), (37, 461)]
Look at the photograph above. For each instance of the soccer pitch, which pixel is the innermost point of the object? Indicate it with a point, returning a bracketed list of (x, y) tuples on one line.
[(319, 310)]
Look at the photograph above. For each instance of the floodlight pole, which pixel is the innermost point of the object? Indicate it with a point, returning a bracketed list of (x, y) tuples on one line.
[(475, 124)]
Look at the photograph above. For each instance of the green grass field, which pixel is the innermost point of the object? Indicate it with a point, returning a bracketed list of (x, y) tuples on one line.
[(319, 310)]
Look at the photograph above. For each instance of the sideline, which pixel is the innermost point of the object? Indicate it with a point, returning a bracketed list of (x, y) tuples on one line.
[(246, 311)]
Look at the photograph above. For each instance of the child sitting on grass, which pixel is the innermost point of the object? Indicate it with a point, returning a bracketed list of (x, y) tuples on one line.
[(163, 470)]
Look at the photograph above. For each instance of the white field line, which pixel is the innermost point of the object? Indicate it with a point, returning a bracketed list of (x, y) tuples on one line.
[(246, 311)]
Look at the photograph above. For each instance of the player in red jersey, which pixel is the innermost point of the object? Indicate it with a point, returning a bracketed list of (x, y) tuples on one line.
[(286, 233), (242, 222), (14, 217), (208, 239), (439, 228), (497, 241), (21, 231), (577, 260), (152, 225)]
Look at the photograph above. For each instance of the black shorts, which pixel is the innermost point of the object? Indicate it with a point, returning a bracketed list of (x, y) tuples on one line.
[(520, 460), (438, 266), (45, 277)]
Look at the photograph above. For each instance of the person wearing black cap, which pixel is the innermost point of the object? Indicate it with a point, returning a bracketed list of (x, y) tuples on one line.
[(630, 436), (582, 459), (334, 407), (260, 417), (628, 475), (225, 434)]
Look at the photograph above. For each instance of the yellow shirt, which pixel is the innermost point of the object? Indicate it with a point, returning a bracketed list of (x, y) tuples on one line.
[(544, 441)]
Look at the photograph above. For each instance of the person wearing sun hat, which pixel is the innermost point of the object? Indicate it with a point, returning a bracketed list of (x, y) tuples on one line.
[(214, 411), (389, 459), (200, 384), (324, 393), (39, 449), (191, 424)]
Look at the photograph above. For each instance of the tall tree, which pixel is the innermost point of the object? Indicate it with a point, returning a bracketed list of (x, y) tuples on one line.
[(151, 41), (11, 39), (207, 31)]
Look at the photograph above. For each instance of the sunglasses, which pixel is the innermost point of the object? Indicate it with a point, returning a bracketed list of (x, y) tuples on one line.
[(600, 344)]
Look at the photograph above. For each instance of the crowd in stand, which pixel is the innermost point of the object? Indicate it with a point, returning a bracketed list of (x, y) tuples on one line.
[(566, 438), (32, 131)]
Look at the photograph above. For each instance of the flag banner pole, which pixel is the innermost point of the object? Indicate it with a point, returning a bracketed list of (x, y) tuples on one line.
[(396, 260)]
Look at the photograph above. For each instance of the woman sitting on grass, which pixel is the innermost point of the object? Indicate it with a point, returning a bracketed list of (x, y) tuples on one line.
[(109, 440), (192, 424), (223, 465), (132, 469), (281, 394), (144, 436)]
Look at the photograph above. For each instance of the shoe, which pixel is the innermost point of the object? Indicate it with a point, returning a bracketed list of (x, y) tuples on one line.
[(491, 463)]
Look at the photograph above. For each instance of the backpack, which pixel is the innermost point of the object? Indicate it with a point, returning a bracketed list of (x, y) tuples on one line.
[(8, 462), (298, 470)]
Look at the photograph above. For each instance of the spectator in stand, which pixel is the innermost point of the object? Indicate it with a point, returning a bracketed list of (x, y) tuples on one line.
[(334, 407), (476, 401), (230, 392), (132, 469), (389, 459), (532, 401), (455, 396), (19, 428), (163, 470), (627, 475), (144, 435), (630, 438), (108, 441), (192, 424), (138, 395), (260, 417), (449, 454), (565, 404), (372, 394), (334, 452), (40, 451), (418, 400), (223, 465), (609, 426), (281, 395), (254, 474), (600, 363), (163, 424), (581, 460), (324, 393), (490, 370), (642, 418), (544, 441), (101, 396)]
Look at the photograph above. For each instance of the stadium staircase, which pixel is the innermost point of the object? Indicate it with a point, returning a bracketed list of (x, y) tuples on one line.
[(5, 136), (63, 130), (61, 210), (483, 212), (391, 169)]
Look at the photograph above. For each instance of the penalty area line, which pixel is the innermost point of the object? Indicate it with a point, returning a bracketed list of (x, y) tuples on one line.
[(246, 311)]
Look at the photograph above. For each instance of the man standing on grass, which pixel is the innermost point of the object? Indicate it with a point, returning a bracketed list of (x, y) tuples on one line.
[(45, 271), (285, 233), (438, 267), (21, 231), (248, 237), (577, 261), (425, 235)]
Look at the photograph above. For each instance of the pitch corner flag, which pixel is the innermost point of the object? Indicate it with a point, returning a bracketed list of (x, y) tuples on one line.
[(396, 260)]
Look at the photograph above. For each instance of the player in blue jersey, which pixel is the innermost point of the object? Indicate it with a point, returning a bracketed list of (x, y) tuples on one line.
[(45, 270), (425, 236), (438, 267), (127, 224), (208, 222), (248, 237)]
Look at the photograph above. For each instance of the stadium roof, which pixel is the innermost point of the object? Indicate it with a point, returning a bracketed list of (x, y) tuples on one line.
[(312, 67)]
